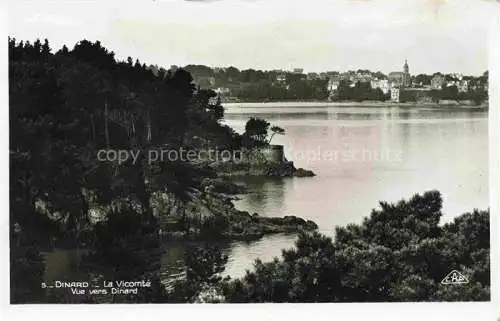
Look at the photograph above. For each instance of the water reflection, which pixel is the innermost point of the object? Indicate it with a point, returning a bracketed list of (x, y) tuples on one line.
[(243, 254), (265, 195)]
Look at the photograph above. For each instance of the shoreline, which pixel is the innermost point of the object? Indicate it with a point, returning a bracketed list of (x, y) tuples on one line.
[(222, 221), (310, 104)]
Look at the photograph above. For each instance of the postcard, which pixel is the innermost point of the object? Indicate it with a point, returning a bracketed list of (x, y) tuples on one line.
[(249, 151)]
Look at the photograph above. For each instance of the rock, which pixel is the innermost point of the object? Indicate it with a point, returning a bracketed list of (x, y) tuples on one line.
[(300, 172), (221, 185), (246, 227), (311, 226), (284, 169)]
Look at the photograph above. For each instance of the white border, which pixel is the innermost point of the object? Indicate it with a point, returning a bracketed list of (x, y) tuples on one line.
[(334, 311), (494, 152)]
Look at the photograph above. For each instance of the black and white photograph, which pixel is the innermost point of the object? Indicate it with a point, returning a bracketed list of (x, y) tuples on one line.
[(249, 151)]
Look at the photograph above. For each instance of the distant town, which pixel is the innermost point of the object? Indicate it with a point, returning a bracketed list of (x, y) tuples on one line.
[(234, 85)]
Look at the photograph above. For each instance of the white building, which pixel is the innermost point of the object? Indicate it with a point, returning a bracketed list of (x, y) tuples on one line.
[(395, 94), (281, 78), (333, 84), (463, 86), (383, 84), (223, 91)]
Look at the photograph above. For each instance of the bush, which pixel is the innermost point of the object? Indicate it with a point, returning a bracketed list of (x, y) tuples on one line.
[(399, 253)]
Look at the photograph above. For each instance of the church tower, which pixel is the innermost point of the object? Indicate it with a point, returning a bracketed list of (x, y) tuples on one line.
[(406, 75)]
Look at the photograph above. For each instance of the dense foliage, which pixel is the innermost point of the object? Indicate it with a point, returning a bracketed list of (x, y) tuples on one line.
[(359, 91), (298, 89), (477, 96), (67, 106), (399, 253), (259, 85)]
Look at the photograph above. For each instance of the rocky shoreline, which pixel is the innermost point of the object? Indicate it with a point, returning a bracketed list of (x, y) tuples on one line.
[(284, 169), (268, 161), (252, 227), (211, 215)]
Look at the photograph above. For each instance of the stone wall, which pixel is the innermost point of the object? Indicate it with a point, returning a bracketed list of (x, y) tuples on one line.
[(273, 153)]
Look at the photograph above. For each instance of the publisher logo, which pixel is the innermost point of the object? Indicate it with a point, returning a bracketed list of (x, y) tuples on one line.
[(454, 277)]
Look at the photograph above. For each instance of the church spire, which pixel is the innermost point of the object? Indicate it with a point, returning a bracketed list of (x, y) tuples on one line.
[(406, 69)]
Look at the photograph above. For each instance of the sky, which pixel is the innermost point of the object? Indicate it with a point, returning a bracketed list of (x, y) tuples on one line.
[(317, 35)]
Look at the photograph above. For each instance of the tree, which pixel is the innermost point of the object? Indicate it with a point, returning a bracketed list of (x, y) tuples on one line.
[(276, 130), (380, 75), (204, 264), (256, 129), (398, 253), (199, 71), (64, 108), (423, 79), (95, 53), (449, 92)]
